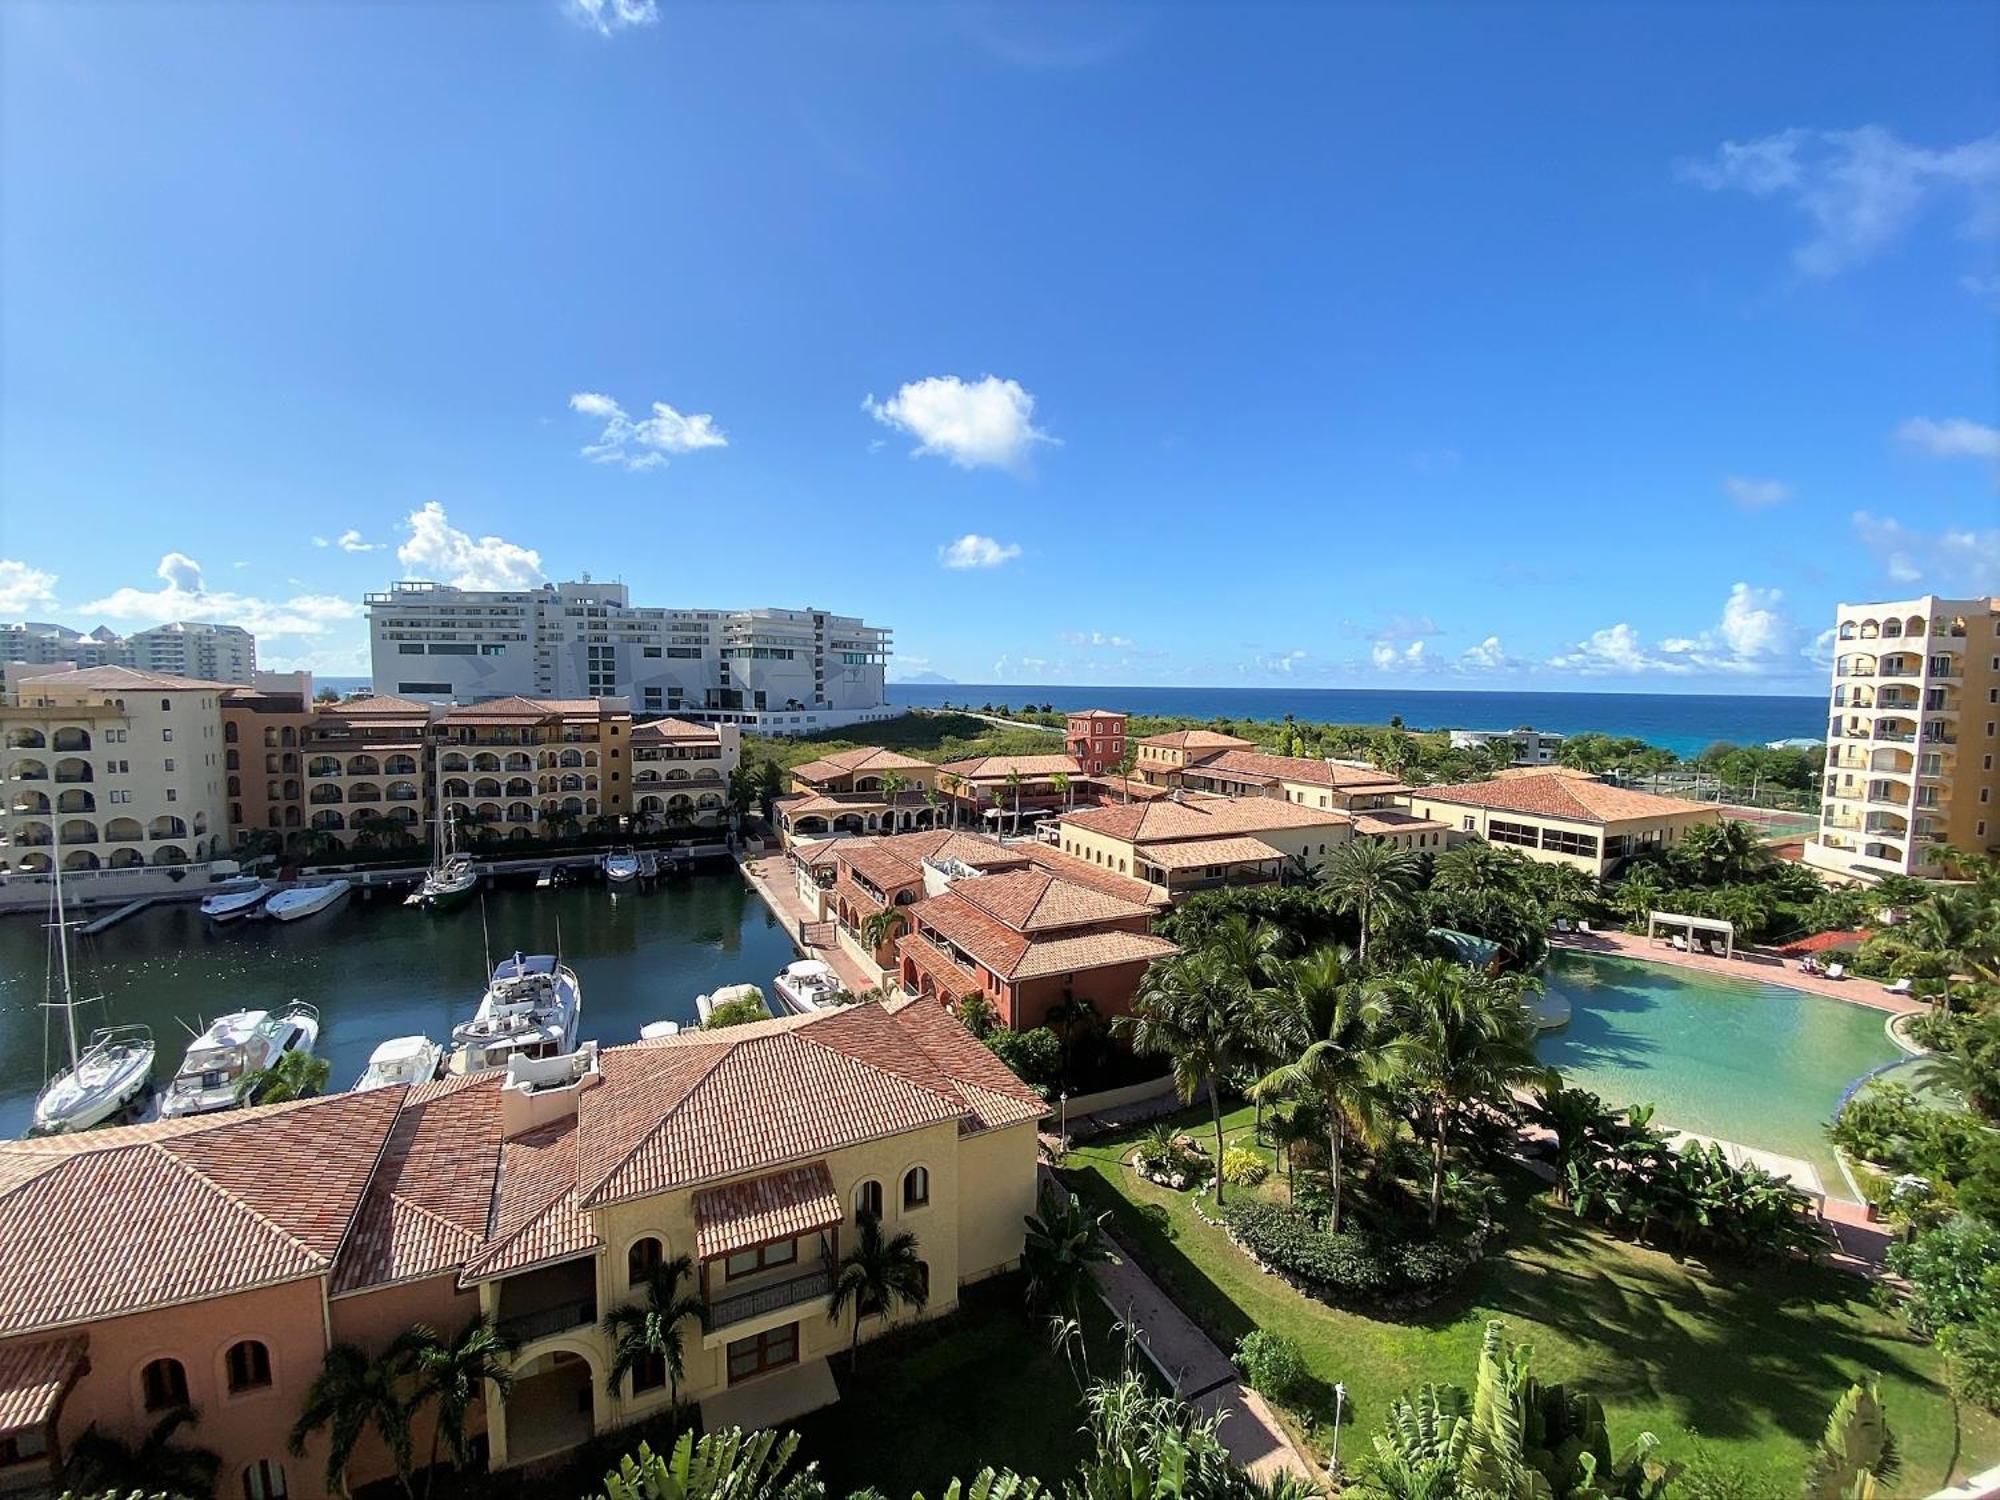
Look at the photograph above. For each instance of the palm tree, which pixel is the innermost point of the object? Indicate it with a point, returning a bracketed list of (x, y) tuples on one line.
[(1062, 1244), (652, 1330), (1374, 881), (1059, 780), (455, 1373), (101, 1464), (770, 786), (875, 1277), (1014, 786), (1721, 853), (1334, 1024), (354, 1391), (1191, 1010), (1126, 762), (893, 783), (931, 801), (883, 927), (295, 1075)]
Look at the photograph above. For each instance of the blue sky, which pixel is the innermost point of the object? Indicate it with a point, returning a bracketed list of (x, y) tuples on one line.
[(1593, 347)]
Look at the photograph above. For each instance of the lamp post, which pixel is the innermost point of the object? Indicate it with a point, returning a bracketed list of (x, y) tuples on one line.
[(1339, 1401)]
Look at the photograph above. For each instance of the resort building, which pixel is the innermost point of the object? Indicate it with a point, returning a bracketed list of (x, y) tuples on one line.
[(1529, 747), (183, 648), (775, 671), (113, 771), (1012, 791), (1183, 844), (1912, 735), (861, 791), (676, 765), (543, 767), (263, 727), (1096, 740), (213, 1261), (366, 770), (1561, 817), (1158, 755), (1200, 760)]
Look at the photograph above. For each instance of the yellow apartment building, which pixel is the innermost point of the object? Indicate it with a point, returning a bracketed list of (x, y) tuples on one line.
[(1185, 844), (1561, 817)]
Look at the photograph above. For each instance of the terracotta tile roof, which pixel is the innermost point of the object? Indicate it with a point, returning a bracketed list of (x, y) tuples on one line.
[(946, 844), (988, 1086), (853, 762), (1192, 853), (385, 706), (537, 1218), (1256, 764), (1390, 820), (1083, 872), (995, 767), (1091, 950), (674, 730), (134, 1219), (1014, 955), (33, 1376), (518, 709), (758, 1210), (1094, 713), (887, 869), (1197, 739), (816, 805), (1037, 901), (1161, 822), (1568, 797), (111, 679), (929, 959)]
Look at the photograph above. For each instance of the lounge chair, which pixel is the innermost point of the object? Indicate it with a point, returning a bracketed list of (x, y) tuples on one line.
[(1680, 943), (1900, 987), (1562, 924), (1836, 971), (1582, 926)]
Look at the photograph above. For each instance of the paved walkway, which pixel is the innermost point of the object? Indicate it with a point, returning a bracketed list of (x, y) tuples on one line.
[(1749, 963), (770, 876)]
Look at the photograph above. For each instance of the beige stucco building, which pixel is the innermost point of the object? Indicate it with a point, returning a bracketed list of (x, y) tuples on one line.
[(1561, 817), (1183, 844)]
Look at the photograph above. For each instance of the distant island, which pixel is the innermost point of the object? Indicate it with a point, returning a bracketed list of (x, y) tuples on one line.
[(926, 679)]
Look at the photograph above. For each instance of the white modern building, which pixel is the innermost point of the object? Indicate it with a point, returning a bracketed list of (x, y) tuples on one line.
[(777, 671), (183, 648), (1531, 746)]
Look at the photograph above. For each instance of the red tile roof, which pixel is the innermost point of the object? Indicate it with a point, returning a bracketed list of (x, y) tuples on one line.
[(34, 1373), (994, 768), (674, 731), (537, 1218), (1191, 854), (1255, 764), (1013, 954), (758, 1210), (1555, 795), (527, 710), (864, 758), (112, 679), (1197, 739), (1036, 901), (1160, 822)]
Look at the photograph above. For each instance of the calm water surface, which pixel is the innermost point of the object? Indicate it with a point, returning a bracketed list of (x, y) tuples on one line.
[(1731, 1057), (377, 969)]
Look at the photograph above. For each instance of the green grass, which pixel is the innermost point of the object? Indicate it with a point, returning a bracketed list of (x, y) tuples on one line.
[(1749, 1358), (928, 736)]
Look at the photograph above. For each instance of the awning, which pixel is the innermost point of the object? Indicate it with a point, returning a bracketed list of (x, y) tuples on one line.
[(782, 1206), (33, 1377)]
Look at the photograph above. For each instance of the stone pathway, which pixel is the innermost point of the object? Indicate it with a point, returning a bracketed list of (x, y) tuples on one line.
[(770, 876)]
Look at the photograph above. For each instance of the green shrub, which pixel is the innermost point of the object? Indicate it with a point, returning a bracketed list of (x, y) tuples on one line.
[(1275, 1365), (1887, 1124), (1244, 1166), (1349, 1263), (736, 1013), (1035, 1057)]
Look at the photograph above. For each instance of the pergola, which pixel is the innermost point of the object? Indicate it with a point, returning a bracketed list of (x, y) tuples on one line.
[(1712, 926)]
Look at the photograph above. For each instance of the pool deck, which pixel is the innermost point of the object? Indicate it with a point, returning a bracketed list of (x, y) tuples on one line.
[(1749, 963)]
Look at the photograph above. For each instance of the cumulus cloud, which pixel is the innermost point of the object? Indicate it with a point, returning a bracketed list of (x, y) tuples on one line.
[(1282, 664), (642, 445), (606, 17), (184, 595), (439, 551), (1756, 494), (350, 541), (1487, 656), (1755, 635), (1096, 638), (1858, 189), (23, 588), (1388, 656), (1954, 437), (975, 551), (1956, 560), (986, 422)]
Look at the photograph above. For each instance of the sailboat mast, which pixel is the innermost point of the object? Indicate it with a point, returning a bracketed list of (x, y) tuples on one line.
[(437, 795), (62, 947)]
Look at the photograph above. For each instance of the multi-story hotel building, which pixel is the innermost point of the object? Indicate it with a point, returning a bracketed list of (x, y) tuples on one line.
[(1912, 736), (524, 767), (778, 671), (1529, 747), (183, 648), (367, 767), (263, 729), (1560, 817)]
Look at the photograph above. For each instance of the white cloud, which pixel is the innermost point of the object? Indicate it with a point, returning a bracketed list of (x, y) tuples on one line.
[(1095, 638), (23, 588), (350, 541), (439, 551), (1859, 189), (183, 595), (1281, 664), (988, 421), (1390, 657), (1985, 288), (1756, 494), (639, 446), (975, 551), (1957, 560), (320, 541), (1954, 437), (608, 16), (1488, 656), (1755, 636)]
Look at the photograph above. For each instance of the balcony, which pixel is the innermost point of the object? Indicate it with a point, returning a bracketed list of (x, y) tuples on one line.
[(525, 1328), (740, 1307)]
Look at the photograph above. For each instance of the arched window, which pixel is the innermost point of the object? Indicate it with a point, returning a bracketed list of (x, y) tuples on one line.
[(642, 1260), (249, 1366), (165, 1383), (264, 1480), (916, 1187), (868, 1199)]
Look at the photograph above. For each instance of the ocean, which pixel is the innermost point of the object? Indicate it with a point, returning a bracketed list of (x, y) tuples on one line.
[(1685, 723)]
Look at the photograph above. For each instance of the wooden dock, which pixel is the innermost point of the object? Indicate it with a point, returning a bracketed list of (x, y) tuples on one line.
[(117, 914)]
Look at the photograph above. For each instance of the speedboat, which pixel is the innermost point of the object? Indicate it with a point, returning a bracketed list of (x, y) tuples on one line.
[(807, 985), (446, 886), (401, 1059), (115, 1069), (531, 1008), (706, 1005), (234, 1047), (306, 900), (235, 901), (621, 867)]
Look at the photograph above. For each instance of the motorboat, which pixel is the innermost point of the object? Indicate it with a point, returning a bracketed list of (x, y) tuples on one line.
[(706, 1005), (235, 900), (621, 867), (306, 900), (105, 1074), (531, 1008), (237, 1046), (807, 986), (449, 885), (401, 1059), (659, 1031)]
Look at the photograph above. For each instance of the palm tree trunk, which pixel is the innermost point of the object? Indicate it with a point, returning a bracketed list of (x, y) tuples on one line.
[(1215, 1110), (430, 1473), (1333, 1134), (1362, 959), (1437, 1165), (854, 1348)]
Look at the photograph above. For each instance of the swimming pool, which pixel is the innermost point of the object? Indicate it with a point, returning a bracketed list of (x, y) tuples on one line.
[(1756, 1063)]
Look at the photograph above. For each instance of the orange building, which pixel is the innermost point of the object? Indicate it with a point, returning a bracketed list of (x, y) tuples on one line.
[(1096, 739)]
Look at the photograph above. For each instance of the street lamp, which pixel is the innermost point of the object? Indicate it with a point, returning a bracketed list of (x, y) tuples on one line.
[(1339, 1401)]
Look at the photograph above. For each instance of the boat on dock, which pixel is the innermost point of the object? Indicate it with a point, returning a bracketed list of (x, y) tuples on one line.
[(655, 1031), (706, 1005), (232, 1048), (235, 900), (306, 900), (450, 884), (807, 986), (621, 867), (401, 1059), (531, 1008)]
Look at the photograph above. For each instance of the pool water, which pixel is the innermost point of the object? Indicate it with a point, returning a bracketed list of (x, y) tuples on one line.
[(1756, 1063)]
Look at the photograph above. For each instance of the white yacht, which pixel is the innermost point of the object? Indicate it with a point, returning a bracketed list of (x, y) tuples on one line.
[(531, 1008), (306, 900), (235, 900), (104, 1075), (401, 1059), (234, 1047), (621, 867), (807, 985), (706, 1005)]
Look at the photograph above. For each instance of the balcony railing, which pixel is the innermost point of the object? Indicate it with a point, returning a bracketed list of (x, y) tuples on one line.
[(813, 1286), (525, 1327)]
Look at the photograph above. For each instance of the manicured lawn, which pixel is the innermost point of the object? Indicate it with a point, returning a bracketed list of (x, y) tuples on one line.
[(1750, 1358)]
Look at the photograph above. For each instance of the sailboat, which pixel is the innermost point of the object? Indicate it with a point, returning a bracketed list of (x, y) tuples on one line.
[(451, 878), (104, 1075)]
